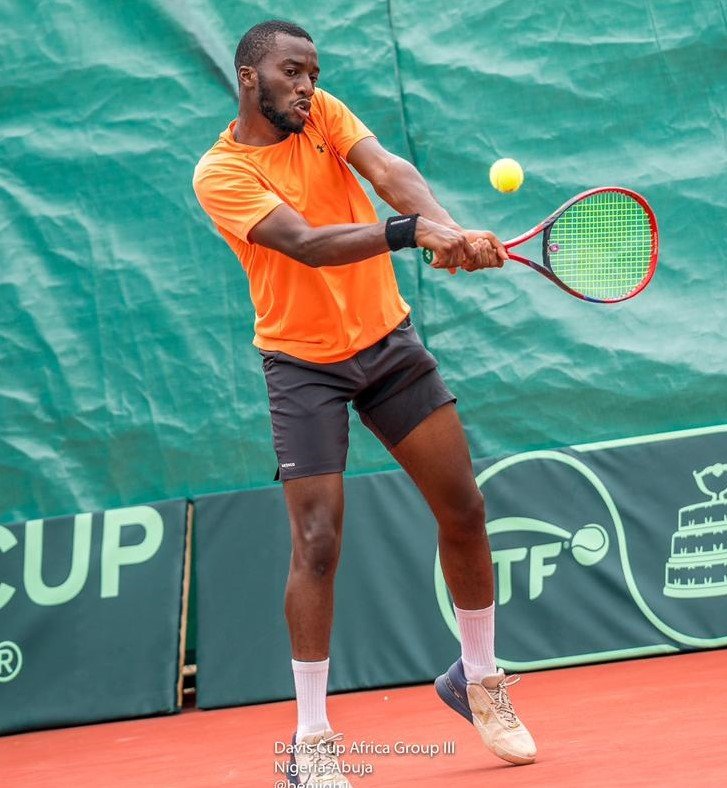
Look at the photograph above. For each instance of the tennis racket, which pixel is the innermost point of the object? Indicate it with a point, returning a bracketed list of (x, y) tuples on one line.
[(602, 245)]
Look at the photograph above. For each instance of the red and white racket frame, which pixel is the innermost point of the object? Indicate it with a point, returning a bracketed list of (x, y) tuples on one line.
[(544, 227)]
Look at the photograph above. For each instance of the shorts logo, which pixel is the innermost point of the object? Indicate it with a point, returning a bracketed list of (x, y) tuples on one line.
[(287, 465)]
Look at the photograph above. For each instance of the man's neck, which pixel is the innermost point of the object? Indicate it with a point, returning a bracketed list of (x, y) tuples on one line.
[(256, 130)]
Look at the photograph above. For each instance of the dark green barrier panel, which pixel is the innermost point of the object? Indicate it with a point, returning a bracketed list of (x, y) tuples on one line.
[(610, 550), (91, 616), (386, 628), (241, 550), (602, 552)]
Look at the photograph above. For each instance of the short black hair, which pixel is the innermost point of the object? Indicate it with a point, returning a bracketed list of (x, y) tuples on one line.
[(258, 40)]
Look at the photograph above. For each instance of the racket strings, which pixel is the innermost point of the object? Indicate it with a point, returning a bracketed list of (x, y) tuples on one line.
[(601, 246)]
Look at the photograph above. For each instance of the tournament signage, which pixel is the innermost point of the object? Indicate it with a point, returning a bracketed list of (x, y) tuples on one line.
[(606, 551), (90, 615)]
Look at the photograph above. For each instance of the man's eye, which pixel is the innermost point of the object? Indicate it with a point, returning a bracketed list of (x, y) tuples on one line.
[(291, 72), (314, 79)]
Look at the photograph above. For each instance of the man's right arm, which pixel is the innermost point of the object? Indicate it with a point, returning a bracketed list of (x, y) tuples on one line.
[(286, 231)]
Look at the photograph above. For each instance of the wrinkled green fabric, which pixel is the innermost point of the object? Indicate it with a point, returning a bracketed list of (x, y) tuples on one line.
[(126, 370)]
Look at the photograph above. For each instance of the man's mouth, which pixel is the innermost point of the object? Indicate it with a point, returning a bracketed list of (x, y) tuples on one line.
[(302, 107)]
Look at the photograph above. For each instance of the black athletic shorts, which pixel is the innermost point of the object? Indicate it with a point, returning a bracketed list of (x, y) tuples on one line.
[(394, 385)]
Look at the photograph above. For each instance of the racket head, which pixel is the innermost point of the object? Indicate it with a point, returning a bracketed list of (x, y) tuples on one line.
[(602, 245)]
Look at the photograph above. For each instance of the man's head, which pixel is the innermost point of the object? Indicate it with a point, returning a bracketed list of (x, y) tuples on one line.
[(277, 68)]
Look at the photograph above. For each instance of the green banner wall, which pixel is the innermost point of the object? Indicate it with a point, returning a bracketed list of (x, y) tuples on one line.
[(91, 616), (126, 370), (602, 551)]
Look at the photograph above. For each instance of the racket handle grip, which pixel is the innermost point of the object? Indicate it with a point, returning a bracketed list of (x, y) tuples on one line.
[(428, 257)]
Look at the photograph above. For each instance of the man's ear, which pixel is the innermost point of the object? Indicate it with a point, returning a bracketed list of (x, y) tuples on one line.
[(247, 76)]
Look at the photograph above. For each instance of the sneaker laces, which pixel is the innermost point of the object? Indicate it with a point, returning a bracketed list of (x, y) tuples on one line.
[(325, 759), (503, 704)]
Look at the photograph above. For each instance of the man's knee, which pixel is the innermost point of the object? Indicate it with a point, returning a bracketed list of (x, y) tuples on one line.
[(465, 518), (316, 545)]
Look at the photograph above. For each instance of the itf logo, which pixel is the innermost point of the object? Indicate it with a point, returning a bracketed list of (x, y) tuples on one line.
[(11, 661), (588, 545), (533, 555)]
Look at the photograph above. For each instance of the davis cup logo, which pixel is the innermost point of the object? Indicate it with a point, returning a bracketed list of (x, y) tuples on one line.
[(11, 661), (697, 566)]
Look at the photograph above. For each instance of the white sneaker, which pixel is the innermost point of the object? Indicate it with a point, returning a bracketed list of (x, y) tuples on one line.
[(488, 707), (314, 761), (495, 719)]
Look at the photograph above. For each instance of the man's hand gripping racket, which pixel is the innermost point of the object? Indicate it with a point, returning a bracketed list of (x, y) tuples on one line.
[(601, 245), (451, 249)]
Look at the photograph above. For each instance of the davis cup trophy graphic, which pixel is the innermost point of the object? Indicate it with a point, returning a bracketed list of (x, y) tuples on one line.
[(697, 566)]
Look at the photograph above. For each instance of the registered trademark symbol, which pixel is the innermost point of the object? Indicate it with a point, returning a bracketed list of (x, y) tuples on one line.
[(11, 661)]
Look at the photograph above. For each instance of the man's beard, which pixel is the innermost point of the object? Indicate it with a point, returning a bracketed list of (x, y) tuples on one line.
[(280, 120)]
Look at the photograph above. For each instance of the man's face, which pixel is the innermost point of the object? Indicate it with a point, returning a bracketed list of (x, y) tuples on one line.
[(286, 81)]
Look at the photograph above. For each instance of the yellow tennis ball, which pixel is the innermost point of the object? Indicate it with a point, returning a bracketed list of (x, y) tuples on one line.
[(506, 175)]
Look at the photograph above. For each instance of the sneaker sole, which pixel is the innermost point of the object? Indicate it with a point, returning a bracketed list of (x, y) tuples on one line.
[(447, 692), (517, 760)]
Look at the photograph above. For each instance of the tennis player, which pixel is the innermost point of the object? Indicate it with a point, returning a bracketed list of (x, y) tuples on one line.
[(332, 328)]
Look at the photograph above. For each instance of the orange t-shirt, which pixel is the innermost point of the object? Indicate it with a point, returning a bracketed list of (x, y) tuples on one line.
[(321, 314)]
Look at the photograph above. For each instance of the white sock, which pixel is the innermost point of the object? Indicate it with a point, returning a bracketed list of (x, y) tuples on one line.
[(311, 683), (477, 635)]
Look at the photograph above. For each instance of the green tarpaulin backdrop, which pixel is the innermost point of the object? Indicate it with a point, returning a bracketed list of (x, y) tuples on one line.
[(126, 371)]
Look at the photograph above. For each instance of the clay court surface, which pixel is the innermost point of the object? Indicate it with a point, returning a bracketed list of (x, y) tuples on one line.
[(651, 722)]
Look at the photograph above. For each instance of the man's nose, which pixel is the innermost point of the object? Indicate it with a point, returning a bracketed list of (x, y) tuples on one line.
[(305, 87)]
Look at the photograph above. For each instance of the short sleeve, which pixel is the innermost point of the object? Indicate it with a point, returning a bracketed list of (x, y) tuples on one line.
[(234, 199), (341, 127)]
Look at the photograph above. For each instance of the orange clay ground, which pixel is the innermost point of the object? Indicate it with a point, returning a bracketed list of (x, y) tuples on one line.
[(651, 722)]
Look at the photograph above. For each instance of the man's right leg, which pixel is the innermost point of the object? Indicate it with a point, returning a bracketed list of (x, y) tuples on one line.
[(309, 416), (315, 508)]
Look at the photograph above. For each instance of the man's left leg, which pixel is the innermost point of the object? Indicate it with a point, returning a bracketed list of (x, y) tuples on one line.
[(436, 456)]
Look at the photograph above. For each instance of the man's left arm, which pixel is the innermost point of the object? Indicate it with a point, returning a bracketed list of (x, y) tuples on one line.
[(402, 186)]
